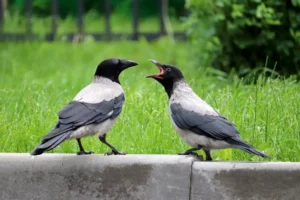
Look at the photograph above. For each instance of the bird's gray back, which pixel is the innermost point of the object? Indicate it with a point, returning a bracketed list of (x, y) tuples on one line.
[(185, 96), (191, 115), (98, 103), (100, 89)]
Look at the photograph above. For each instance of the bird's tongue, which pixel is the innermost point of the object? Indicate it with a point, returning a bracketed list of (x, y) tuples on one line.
[(161, 72)]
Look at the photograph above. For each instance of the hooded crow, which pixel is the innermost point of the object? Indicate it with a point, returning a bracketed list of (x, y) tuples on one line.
[(197, 122), (93, 111)]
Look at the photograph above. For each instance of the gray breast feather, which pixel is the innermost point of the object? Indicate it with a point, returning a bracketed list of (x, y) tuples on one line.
[(77, 114), (212, 126)]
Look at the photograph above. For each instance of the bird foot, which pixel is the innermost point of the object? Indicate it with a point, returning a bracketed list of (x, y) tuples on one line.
[(113, 152), (189, 153), (199, 157), (84, 152)]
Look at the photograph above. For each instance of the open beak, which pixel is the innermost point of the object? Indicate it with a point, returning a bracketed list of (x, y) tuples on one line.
[(161, 70), (128, 63)]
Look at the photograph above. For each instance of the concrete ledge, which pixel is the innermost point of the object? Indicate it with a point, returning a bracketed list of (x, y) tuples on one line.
[(135, 177), (230, 181), (62, 177)]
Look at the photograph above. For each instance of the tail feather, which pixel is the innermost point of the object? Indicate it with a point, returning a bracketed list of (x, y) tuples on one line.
[(52, 140), (237, 142), (254, 151)]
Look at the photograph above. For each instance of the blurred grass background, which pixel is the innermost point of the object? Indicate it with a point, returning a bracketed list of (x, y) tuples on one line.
[(38, 78)]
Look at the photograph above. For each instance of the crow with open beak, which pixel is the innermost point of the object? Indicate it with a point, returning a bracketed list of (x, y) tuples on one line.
[(197, 122), (93, 111)]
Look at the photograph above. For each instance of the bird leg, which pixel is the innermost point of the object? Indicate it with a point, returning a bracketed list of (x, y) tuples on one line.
[(114, 151), (82, 151), (207, 155), (191, 151)]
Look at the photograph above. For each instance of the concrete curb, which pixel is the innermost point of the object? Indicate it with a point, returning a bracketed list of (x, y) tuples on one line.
[(63, 176), (135, 177), (241, 180)]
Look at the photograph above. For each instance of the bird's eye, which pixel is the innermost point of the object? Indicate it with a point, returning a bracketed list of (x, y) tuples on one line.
[(168, 69)]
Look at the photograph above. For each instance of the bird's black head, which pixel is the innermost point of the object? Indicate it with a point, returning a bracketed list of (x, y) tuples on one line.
[(111, 68), (167, 76)]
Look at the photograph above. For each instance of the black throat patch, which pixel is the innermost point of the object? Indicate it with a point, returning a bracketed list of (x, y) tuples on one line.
[(169, 85)]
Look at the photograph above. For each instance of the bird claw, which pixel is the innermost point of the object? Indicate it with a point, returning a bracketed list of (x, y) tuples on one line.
[(114, 153), (188, 153), (85, 153), (199, 157)]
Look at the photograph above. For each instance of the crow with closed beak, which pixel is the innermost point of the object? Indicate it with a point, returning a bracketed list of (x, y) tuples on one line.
[(93, 111), (197, 122)]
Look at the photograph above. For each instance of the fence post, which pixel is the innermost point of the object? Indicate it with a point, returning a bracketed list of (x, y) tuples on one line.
[(135, 17), (28, 18), (54, 12), (77, 37), (107, 12), (80, 16), (163, 12), (1, 17)]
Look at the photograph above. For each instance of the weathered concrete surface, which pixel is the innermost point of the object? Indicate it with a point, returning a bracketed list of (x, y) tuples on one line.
[(251, 181), (143, 177), (63, 176)]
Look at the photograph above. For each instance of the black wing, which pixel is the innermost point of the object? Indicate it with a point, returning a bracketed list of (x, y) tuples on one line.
[(216, 127), (77, 114)]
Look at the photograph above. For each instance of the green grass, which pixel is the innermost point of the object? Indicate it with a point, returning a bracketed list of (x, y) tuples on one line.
[(38, 79)]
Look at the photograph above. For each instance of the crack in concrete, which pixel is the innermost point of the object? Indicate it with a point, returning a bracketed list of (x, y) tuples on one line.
[(191, 179)]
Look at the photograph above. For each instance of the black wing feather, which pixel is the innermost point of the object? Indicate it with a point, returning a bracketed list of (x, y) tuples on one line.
[(77, 114), (215, 127)]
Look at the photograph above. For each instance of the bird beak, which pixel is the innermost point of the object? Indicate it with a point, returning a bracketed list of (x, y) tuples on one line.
[(161, 70), (127, 63)]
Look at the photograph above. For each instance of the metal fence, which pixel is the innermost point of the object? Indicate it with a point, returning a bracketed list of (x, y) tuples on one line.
[(28, 34)]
